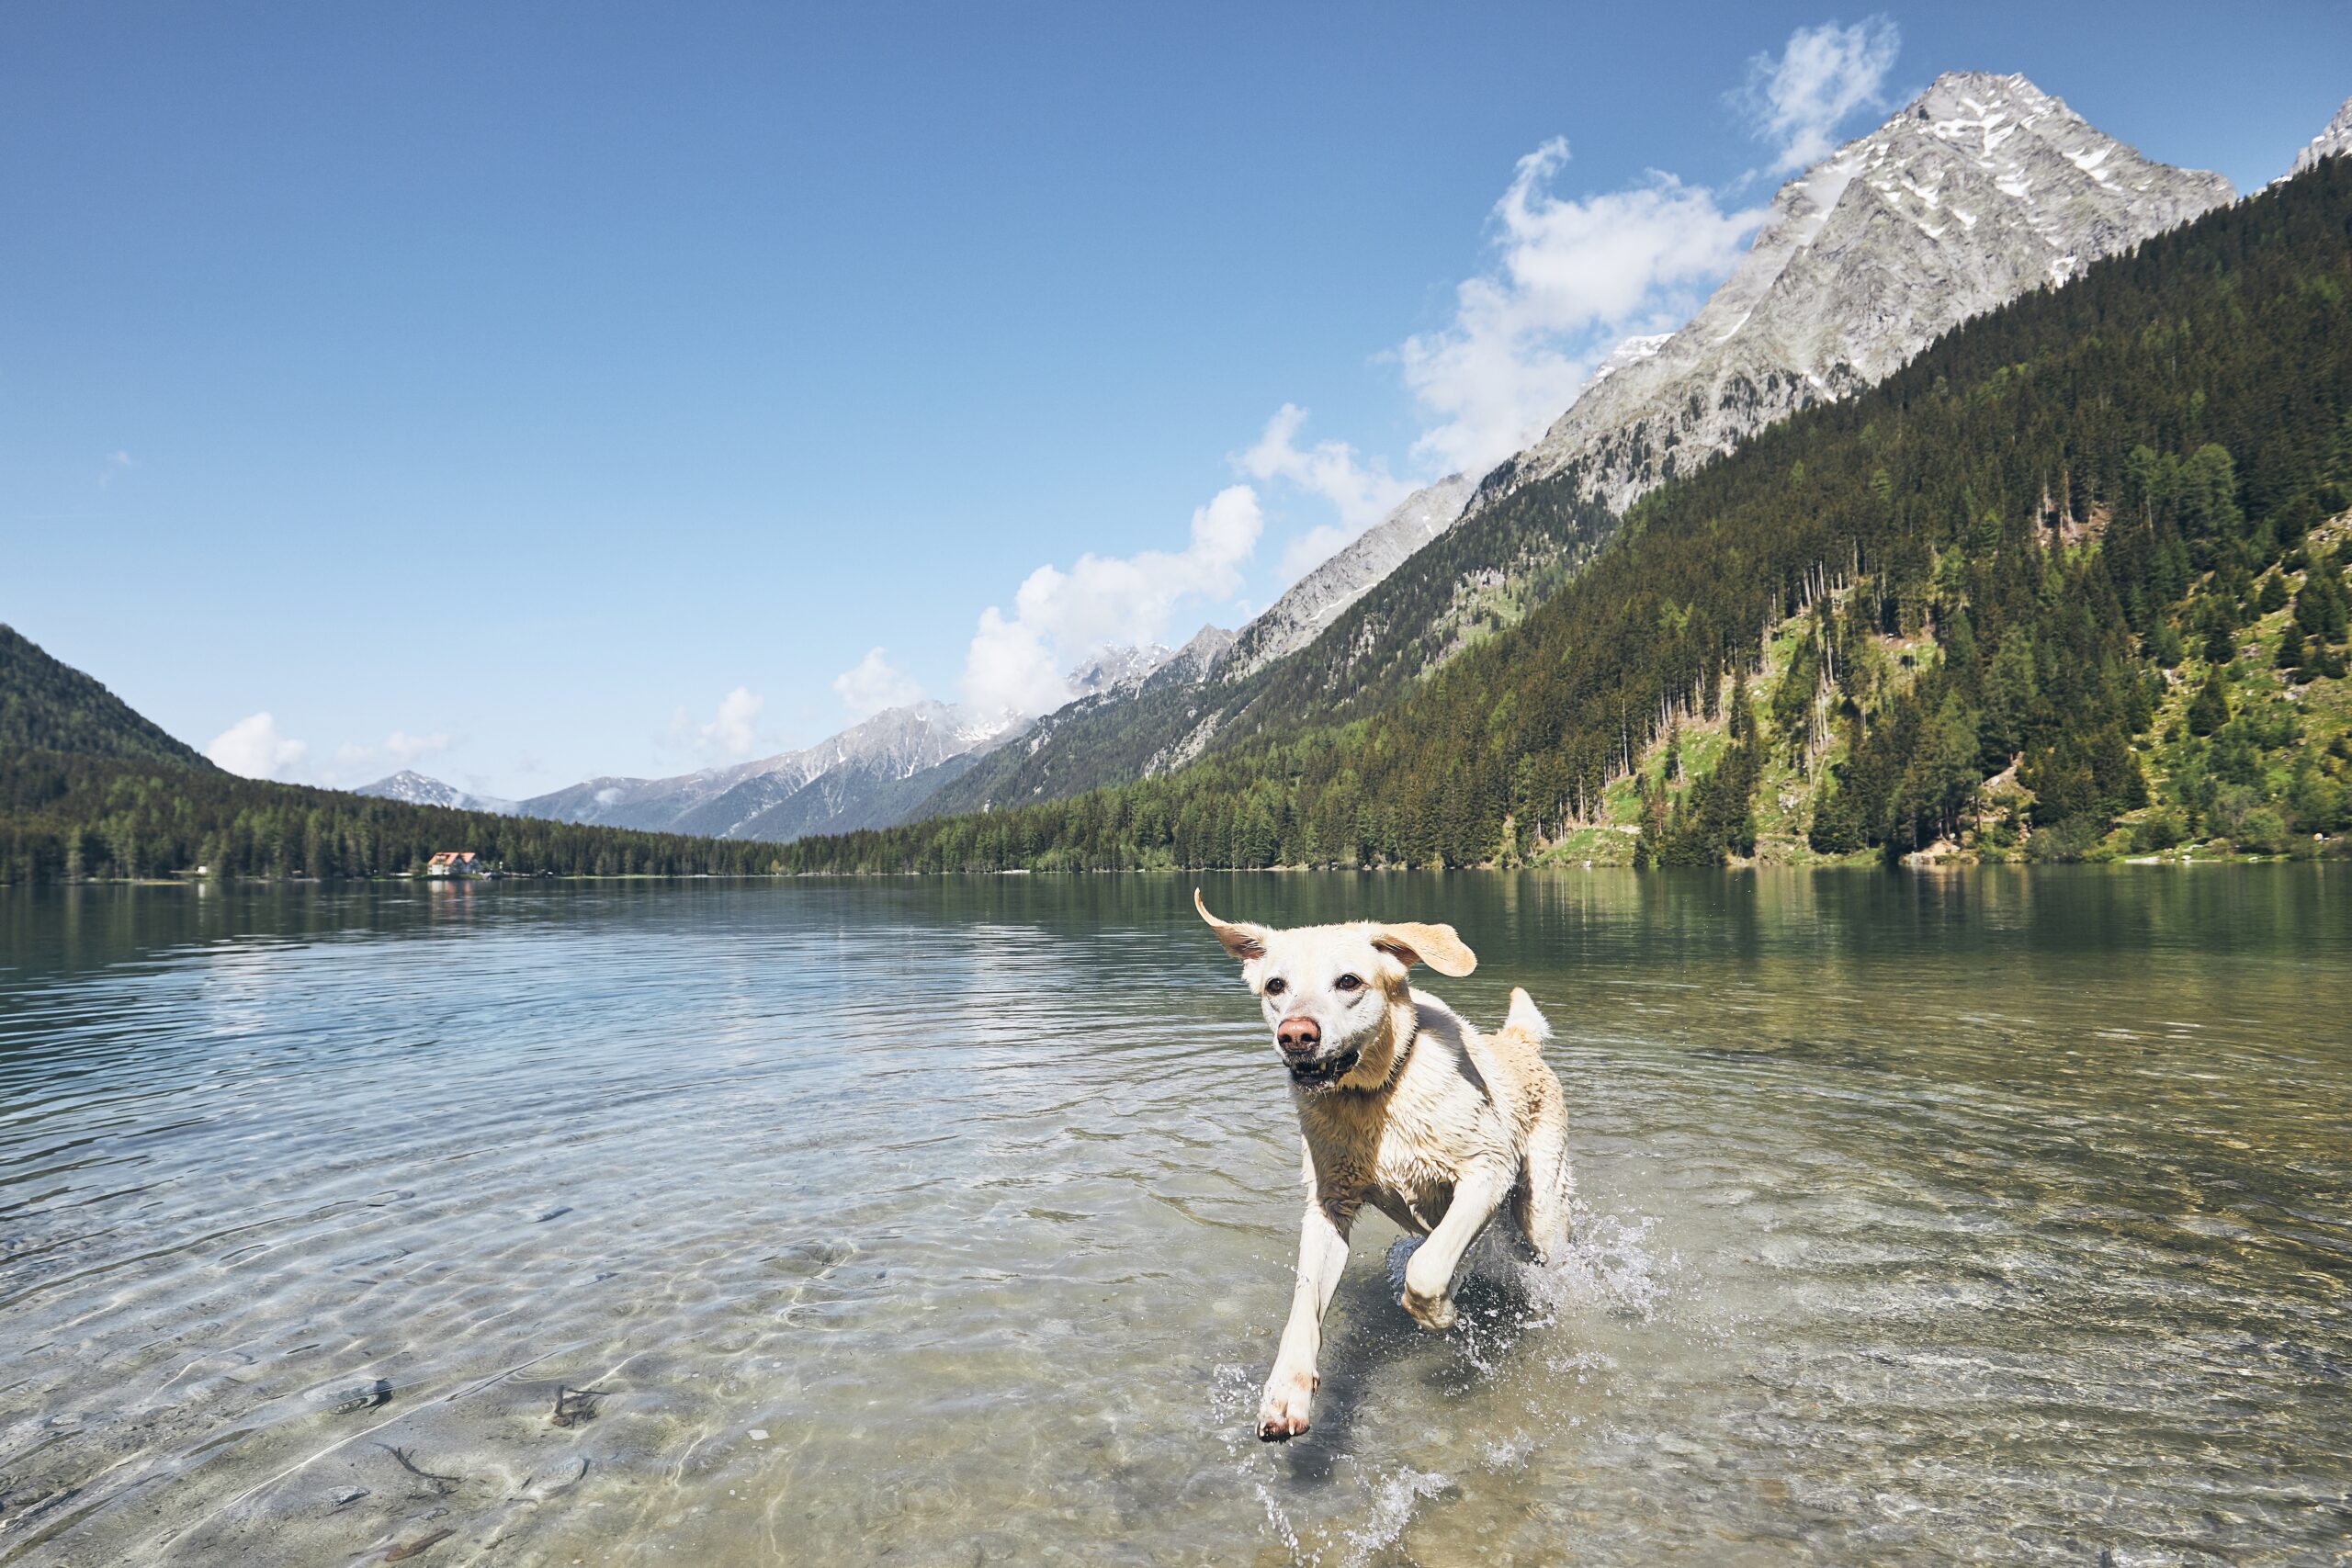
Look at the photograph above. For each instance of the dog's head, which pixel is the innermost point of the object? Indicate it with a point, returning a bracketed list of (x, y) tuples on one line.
[(1337, 997)]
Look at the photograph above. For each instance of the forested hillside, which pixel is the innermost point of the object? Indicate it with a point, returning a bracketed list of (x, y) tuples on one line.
[(2060, 587), (65, 816), (48, 705), (89, 788)]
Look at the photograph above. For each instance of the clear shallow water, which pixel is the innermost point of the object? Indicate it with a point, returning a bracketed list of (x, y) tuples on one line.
[(1993, 1216)]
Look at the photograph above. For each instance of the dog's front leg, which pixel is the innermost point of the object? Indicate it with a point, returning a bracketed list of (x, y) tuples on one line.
[(1322, 1253), (1429, 1273)]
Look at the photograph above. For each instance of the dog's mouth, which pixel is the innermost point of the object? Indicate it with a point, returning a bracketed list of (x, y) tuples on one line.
[(1324, 1071)]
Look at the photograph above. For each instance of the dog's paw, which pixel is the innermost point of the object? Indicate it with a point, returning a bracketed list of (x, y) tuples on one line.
[(1434, 1313), (1282, 1415)]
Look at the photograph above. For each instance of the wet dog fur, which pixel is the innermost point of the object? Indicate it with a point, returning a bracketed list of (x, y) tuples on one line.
[(1402, 1105)]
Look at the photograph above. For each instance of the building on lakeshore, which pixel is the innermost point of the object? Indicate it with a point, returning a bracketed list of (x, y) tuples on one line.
[(454, 862)]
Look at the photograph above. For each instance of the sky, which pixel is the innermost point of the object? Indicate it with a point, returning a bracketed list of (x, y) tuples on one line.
[(527, 393)]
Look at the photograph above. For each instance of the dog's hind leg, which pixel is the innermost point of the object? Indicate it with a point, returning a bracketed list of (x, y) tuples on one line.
[(1546, 1186)]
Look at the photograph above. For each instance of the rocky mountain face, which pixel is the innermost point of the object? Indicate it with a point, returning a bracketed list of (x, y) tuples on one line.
[(2333, 142), (1299, 617), (1981, 189), (1191, 664), (1119, 668), (416, 789)]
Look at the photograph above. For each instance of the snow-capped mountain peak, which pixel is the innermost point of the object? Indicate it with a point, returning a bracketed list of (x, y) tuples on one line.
[(417, 789), (1982, 187)]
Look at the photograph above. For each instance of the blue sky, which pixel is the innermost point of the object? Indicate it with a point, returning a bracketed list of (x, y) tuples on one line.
[(530, 392)]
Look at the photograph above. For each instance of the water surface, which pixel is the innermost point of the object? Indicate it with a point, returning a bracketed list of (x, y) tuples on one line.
[(1995, 1216)]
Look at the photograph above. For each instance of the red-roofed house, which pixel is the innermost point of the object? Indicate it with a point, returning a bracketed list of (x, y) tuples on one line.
[(454, 862)]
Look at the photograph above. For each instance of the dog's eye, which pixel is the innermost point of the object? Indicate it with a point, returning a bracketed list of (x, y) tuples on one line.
[(1276, 987), (1349, 983)]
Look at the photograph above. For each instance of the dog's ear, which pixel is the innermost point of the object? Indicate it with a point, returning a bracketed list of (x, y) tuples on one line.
[(1436, 946), (1243, 941)]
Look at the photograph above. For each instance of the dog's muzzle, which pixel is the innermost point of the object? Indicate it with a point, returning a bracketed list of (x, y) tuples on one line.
[(1322, 1072)]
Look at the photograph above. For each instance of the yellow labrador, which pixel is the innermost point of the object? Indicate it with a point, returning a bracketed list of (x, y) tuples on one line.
[(1403, 1106)]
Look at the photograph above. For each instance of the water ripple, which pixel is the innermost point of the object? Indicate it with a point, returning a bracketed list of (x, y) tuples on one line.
[(1997, 1218)]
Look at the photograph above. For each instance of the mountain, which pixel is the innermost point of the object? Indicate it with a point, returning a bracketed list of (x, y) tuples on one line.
[(50, 707), (856, 779), (1982, 187), (847, 780), (1119, 668), (1979, 190), (876, 773), (1192, 663), (1299, 617), (2333, 142), (2073, 584), (416, 789)]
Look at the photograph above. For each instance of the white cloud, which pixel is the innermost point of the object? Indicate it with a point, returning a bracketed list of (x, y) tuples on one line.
[(1361, 492), (1573, 277), (873, 683), (1826, 74), (731, 732), (1015, 661), (254, 748), (730, 737)]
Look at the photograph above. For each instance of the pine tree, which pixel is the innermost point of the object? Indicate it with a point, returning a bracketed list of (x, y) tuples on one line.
[(2220, 640), (2290, 648), (2210, 709)]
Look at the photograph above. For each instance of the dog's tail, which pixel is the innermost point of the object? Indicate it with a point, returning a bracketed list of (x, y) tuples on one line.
[(1524, 1016)]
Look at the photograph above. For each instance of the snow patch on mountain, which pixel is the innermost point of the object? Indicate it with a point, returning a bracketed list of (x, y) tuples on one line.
[(416, 789)]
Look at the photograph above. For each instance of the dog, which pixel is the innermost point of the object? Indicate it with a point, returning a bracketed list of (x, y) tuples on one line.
[(1402, 1105)]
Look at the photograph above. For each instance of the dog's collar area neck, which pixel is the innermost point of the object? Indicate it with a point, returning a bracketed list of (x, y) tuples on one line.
[(1397, 1060)]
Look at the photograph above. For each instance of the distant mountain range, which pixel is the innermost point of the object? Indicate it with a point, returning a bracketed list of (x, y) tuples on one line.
[(415, 789), (1980, 189), (1983, 190), (2073, 584), (878, 773)]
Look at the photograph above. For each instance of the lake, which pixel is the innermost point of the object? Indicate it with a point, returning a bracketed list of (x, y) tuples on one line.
[(1995, 1215)]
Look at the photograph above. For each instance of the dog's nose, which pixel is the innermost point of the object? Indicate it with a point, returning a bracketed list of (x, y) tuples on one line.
[(1297, 1036)]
